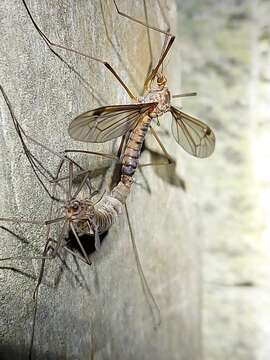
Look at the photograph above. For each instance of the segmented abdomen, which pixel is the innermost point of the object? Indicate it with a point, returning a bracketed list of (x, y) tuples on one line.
[(111, 205), (132, 152)]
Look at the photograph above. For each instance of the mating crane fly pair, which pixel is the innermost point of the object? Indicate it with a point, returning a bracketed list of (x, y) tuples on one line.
[(109, 122)]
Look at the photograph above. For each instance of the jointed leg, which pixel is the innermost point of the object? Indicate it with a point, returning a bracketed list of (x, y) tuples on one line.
[(146, 289), (148, 39), (139, 21), (51, 45), (169, 159), (169, 39), (80, 244), (123, 65)]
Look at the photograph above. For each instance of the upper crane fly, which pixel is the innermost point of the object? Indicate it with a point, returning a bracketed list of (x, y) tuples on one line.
[(109, 122)]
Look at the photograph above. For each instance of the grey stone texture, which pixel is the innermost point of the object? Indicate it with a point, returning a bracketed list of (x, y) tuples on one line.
[(97, 311)]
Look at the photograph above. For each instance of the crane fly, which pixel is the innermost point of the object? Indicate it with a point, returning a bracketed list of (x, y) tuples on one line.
[(109, 122), (80, 211)]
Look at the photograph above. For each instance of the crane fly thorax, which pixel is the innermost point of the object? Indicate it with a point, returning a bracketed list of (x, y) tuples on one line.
[(77, 210), (162, 97)]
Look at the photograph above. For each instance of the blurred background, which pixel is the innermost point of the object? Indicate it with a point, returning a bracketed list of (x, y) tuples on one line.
[(225, 57)]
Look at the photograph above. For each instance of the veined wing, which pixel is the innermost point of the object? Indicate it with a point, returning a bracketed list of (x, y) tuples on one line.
[(192, 134), (107, 122)]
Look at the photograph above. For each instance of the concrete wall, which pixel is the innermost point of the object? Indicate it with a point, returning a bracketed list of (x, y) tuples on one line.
[(102, 308)]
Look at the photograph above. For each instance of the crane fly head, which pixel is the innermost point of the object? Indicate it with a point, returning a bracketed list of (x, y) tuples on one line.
[(73, 208), (161, 80), (76, 209)]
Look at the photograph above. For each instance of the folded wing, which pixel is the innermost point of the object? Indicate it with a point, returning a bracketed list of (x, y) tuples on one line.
[(107, 122)]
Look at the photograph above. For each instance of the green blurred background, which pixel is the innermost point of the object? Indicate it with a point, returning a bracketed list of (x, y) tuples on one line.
[(225, 57)]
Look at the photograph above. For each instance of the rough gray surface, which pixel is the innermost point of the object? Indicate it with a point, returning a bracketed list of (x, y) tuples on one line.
[(107, 309), (228, 43)]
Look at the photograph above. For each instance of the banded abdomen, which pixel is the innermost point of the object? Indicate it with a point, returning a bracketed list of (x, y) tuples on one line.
[(133, 148)]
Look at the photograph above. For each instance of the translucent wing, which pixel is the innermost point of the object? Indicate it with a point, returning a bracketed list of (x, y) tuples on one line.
[(107, 122), (192, 134)]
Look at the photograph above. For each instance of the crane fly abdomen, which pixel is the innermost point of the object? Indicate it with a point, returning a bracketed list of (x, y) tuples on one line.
[(133, 148)]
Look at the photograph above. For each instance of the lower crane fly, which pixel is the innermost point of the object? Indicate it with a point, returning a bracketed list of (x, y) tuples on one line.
[(81, 211)]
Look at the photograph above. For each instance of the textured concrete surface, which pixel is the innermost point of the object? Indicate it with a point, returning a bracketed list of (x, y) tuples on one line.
[(228, 42), (102, 308)]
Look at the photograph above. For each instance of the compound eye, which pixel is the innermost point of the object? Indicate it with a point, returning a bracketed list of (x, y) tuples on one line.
[(75, 206)]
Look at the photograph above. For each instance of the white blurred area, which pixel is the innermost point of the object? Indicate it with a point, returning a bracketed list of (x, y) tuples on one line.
[(225, 53)]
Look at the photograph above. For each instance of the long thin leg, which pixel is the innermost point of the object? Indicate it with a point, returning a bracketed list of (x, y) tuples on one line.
[(169, 39), (139, 21), (147, 186), (124, 66), (165, 19), (18, 271), (45, 257), (70, 67), (146, 289), (86, 177), (70, 182), (76, 255), (51, 44), (148, 40), (184, 95), (169, 161), (167, 155), (160, 62), (114, 157), (87, 152), (35, 294), (80, 244), (108, 156), (35, 164)]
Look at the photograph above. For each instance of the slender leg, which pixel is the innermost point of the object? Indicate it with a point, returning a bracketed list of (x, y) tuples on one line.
[(169, 159), (160, 62), (76, 255), (83, 172), (139, 21), (93, 345), (109, 38), (146, 289), (51, 45), (70, 67), (18, 271), (184, 95), (148, 40), (165, 19), (39, 170), (35, 294), (80, 244), (84, 181), (70, 182), (108, 156), (169, 39)]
